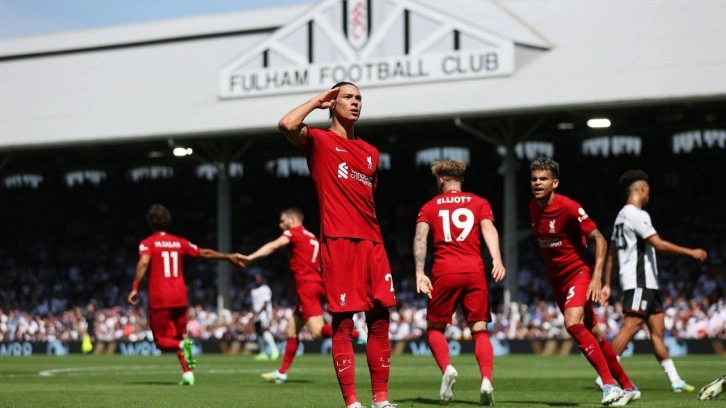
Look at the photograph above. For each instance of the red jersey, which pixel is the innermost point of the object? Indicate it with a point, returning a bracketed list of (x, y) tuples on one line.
[(454, 218), (304, 251), (561, 229), (166, 276), (345, 175)]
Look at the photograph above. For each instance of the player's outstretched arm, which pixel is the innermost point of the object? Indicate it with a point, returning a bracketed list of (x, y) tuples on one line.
[(423, 283), (207, 253), (601, 249), (141, 267), (265, 250), (609, 264), (292, 126), (491, 237), (661, 245)]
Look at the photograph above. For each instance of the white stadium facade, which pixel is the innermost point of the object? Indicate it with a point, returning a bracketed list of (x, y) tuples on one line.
[(493, 83)]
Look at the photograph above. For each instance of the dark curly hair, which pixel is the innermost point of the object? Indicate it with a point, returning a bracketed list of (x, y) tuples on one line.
[(546, 163), (631, 176), (159, 217)]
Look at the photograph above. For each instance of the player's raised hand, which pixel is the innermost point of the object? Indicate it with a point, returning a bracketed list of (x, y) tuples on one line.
[(699, 254), (594, 289), (423, 285), (133, 297), (498, 271), (326, 99)]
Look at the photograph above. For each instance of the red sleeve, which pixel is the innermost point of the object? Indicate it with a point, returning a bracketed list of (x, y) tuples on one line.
[(190, 249), (423, 216), (307, 144), (144, 248), (485, 211), (575, 211)]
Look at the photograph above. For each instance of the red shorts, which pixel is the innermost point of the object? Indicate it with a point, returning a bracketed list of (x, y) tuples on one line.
[(453, 289), (168, 322), (357, 275), (572, 292), (310, 300)]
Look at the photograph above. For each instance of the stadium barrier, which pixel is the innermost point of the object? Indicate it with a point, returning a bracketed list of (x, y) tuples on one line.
[(676, 347)]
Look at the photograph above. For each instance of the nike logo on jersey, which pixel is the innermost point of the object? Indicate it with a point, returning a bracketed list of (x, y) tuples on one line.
[(338, 149)]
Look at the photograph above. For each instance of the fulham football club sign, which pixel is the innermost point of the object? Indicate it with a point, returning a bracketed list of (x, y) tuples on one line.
[(372, 43)]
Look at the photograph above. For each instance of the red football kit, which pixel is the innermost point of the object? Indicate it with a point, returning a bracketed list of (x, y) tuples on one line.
[(458, 277), (167, 290), (354, 263), (304, 251), (561, 229)]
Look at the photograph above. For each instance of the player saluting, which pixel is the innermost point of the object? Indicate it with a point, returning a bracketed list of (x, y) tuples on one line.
[(354, 263), (634, 244), (163, 252), (455, 220), (561, 227), (304, 249)]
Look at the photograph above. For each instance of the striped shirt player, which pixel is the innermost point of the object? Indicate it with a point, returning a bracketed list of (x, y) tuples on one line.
[(637, 261), (634, 242)]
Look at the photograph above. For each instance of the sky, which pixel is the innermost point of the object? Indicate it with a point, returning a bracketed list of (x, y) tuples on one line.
[(23, 18)]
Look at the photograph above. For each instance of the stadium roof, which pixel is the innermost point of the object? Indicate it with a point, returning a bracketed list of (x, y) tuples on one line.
[(160, 80)]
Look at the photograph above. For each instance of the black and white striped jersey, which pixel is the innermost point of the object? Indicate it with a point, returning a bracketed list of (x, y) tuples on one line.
[(636, 257)]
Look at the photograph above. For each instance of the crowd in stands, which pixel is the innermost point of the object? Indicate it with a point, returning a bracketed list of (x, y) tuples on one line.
[(67, 271)]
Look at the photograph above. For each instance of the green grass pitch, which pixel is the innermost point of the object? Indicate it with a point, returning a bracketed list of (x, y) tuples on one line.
[(234, 380)]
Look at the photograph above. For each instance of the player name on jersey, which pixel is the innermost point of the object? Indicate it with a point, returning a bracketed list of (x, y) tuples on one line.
[(453, 200), (167, 244)]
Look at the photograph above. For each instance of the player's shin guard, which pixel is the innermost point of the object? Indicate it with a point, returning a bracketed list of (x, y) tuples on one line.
[(378, 353), (343, 357), (484, 353), (616, 369), (290, 351), (439, 347), (591, 350)]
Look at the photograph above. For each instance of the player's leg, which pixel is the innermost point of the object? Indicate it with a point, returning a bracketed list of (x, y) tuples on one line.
[(572, 300), (656, 325), (616, 369), (260, 340), (382, 294), (475, 304), (180, 319), (294, 325), (343, 267), (344, 357)]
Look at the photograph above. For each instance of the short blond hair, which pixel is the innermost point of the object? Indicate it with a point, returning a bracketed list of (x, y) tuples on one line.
[(449, 168)]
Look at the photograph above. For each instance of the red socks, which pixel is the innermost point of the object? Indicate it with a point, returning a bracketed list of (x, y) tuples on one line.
[(343, 357), (439, 347), (290, 351), (591, 350), (378, 353), (614, 365), (484, 353)]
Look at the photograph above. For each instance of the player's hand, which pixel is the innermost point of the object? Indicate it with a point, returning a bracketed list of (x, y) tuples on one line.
[(133, 297), (699, 254), (326, 100), (242, 261), (594, 289), (498, 271), (604, 295), (423, 284)]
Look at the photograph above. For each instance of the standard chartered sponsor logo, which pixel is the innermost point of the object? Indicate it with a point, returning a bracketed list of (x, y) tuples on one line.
[(343, 170)]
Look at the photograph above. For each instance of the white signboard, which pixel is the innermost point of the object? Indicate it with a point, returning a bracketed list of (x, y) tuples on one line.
[(368, 54)]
